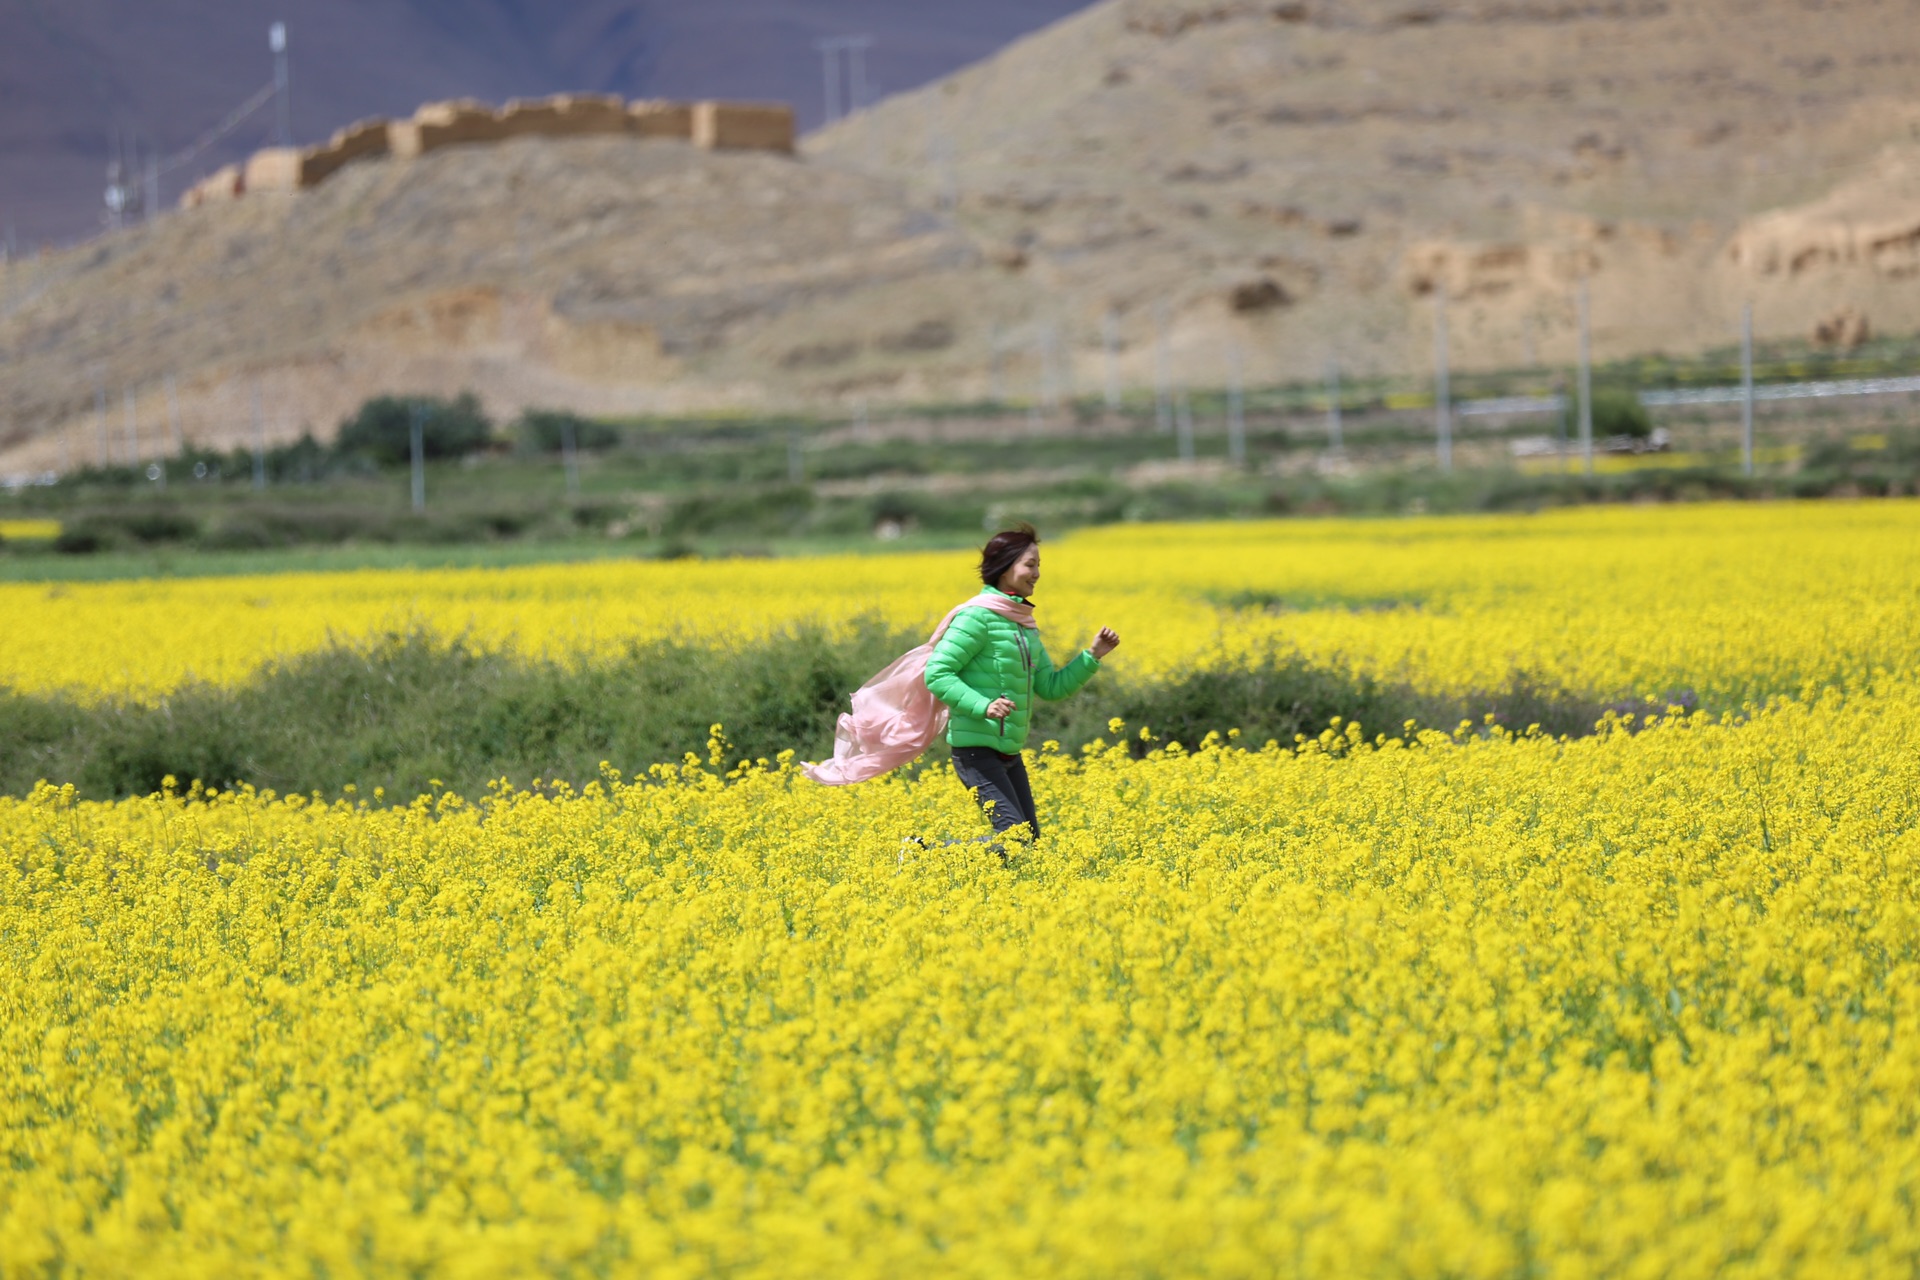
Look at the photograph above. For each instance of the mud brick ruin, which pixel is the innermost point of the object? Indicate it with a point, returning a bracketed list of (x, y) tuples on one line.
[(715, 126)]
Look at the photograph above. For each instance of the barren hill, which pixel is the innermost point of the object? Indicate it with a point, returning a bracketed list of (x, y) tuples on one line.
[(1348, 158), (611, 274), (1297, 181)]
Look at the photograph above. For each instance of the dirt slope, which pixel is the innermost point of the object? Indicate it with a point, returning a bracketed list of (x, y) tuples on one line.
[(609, 274), (1360, 154)]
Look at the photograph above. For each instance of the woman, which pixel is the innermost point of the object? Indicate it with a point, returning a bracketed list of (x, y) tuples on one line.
[(988, 664)]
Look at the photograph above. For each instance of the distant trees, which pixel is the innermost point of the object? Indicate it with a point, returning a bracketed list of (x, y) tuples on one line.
[(382, 430)]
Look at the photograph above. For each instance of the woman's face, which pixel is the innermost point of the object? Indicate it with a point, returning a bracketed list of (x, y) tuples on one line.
[(1025, 574)]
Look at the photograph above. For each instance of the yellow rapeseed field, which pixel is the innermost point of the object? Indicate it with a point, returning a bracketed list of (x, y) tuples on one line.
[(29, 530), (1605, 601), (1640, 1004)]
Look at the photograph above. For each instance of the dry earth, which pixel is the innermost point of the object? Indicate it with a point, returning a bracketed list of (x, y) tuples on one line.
[(1294, 180)]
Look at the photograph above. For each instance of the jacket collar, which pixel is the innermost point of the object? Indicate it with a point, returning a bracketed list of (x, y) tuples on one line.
[(998, 592)]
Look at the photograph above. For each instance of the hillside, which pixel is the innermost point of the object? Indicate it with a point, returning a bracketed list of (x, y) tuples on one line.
[(1292, 181), (165, 71), (1347, 158), (609, 274)]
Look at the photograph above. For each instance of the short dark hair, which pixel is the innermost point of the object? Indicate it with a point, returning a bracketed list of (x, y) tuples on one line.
[(1003, 549)]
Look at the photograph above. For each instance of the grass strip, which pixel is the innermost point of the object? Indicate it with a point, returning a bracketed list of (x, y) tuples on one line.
[(401, 711)]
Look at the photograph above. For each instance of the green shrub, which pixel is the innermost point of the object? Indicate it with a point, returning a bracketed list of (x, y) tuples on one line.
[(1616, 412), (382, 429), (402, 709), (545, 431)]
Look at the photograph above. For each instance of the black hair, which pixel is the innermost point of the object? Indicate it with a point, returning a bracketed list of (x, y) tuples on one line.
[(1003, 549)]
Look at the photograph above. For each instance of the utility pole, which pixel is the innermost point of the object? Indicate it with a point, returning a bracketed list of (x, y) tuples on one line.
[(1334, 441), (570, 455), (1184, 415), (996, 388), (1049, 386), (796, 461), (283, 107), (173, 416), (1162, 404), (1586, 382), (100, 424), (942, 151), (829, 55), (1746, 388), (133, 428), (1442, 389), (1110, 340), (259, 441), (857, 47), (1236, 409), (417, 451)]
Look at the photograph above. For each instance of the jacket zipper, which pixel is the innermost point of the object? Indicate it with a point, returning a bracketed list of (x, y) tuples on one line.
[(1026, 657)]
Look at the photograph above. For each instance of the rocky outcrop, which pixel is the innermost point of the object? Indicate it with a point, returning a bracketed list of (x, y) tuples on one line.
[(1872, 222), (1846, 327)]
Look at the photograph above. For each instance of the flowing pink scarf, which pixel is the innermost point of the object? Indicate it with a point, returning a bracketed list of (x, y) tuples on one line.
[(895, 716)]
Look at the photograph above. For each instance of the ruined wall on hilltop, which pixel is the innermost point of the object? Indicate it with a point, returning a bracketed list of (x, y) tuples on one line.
[(751, 126)]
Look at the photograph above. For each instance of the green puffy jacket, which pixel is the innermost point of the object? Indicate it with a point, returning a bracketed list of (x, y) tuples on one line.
[(982, 656)]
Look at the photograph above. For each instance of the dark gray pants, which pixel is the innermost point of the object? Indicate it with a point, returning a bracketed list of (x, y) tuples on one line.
[(1000, 781)]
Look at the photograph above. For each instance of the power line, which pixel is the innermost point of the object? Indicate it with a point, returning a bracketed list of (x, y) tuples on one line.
[(854, 47)]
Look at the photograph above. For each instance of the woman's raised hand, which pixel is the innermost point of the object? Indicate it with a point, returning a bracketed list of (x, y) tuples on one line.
[(1105, 643)]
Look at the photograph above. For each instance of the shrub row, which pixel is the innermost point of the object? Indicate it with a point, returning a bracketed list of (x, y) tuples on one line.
[(404, 709)]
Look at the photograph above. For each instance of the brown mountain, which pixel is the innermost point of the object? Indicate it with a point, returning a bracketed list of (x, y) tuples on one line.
[(77, 74), (1301, 177)]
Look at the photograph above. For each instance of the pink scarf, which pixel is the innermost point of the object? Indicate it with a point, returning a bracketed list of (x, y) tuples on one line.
[(895, 716)]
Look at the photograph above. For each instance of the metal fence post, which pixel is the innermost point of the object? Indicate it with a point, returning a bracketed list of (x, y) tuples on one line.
[(417, 446), (1162, 399), (996, 392), (1746, 388), (100, 425), (259, 442), (1110, 339), (1236, 408), (173, 416), (1184, 413), (1049, 386), (796, 462), (1334, 440), (570, 454), (1442, 391), (1586, 383), (132, 419)]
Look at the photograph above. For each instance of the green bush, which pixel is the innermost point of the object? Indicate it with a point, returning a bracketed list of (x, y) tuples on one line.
[(545, 431), (382, 429), (1616, 412), (403, 709)]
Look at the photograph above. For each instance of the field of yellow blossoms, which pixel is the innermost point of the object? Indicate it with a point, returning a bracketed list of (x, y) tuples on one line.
[(1469, 1003)]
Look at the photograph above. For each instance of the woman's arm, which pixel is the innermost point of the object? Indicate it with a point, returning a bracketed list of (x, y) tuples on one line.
[(1053, 684), (959, 645)]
